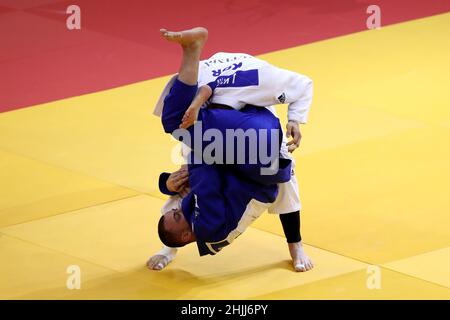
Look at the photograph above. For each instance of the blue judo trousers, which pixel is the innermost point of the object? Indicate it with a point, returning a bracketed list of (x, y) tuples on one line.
[(221, 192)]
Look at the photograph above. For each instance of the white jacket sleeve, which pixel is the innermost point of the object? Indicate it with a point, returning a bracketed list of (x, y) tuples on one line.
[(296, 90), (275, 85), (235, 84)]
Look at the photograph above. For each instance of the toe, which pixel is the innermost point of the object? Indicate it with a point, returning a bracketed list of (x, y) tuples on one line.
[(300, 267)]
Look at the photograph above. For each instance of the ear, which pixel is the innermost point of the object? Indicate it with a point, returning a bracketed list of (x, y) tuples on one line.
[(186, 236)]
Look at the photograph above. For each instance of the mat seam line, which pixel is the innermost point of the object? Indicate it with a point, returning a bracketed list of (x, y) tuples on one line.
[(381, 265), (67, 169)]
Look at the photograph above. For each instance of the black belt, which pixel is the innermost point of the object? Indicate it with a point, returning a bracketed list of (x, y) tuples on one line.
[(219, 106)]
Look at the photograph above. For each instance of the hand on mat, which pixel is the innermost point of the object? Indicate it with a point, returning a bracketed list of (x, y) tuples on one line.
[(157, 262), (162, 258), (293, 130)]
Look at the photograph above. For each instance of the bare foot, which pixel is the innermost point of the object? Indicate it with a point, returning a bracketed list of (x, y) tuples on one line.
[(192, 37), (300, 260)]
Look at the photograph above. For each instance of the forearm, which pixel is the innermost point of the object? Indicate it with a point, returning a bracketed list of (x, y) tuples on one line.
[(176, 103), (203, 94)]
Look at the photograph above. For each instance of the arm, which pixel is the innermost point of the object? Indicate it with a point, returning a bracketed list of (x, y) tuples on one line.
[(190, 116), (175, 105), (293, 130), (209, 223), (300, 93), (297, 92), (174, 183)]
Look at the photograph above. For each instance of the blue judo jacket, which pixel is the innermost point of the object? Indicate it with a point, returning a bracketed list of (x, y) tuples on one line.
[(220, 192)]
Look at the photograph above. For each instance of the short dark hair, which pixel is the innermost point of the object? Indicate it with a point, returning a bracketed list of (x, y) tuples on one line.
[(169, 239)]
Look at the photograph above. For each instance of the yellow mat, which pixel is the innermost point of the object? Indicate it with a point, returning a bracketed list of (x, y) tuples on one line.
[(78, 185), (32, 189), (353, 286), (121, 235), (432, 266)]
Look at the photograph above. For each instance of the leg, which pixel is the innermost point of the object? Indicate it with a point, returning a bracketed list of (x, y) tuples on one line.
[(185, 86), (192, 42), (291, 228), (189, 118)]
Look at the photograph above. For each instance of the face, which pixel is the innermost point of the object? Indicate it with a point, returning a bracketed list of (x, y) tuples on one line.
[(175, 222)]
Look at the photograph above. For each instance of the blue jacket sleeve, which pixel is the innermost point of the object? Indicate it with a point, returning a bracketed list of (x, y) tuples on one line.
[(163, 184), (176, 104), (209, 223)]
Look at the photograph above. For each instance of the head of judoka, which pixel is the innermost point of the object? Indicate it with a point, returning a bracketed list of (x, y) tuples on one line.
[(173, 229)]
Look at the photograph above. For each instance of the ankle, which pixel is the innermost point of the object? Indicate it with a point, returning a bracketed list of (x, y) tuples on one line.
[(295, 245), (195, 46)]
